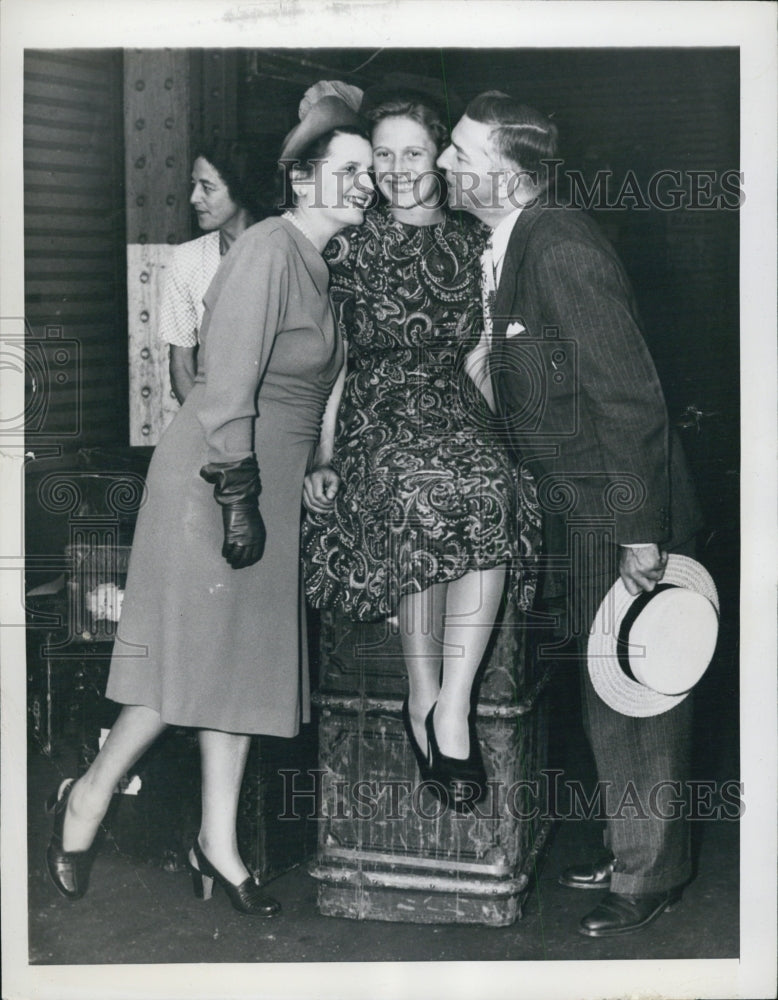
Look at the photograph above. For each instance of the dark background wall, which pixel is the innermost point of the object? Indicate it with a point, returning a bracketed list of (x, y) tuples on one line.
[(622, 110), (618, 110)]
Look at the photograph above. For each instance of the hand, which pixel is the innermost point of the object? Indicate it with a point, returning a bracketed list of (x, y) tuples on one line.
[(236, 488), (244, 534), (642, 568), (320, 488)]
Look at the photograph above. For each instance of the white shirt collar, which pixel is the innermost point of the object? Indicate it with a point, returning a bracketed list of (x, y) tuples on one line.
[(501, 235)]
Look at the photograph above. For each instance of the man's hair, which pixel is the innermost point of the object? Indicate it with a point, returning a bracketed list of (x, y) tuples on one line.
[(521, 134)]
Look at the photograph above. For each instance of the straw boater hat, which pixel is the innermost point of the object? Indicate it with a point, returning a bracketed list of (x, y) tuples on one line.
[(646, 653), (326, 105)]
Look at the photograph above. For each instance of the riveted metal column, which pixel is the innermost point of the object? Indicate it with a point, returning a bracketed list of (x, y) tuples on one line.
[(157, 139)]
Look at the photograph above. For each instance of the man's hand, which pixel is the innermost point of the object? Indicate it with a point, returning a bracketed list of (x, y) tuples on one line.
[(642, 568), (320, 489)]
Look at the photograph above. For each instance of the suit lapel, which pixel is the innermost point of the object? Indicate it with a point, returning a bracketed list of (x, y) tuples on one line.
[(504, 310), (514, 255)]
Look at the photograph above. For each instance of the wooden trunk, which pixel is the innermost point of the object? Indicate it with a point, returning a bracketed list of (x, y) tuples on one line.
[(387, 849)]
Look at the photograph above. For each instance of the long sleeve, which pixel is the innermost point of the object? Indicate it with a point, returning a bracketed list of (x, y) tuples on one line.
[(244, 310), (585, 295)]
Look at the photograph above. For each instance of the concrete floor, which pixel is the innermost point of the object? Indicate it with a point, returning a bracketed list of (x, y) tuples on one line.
[(139, 914)]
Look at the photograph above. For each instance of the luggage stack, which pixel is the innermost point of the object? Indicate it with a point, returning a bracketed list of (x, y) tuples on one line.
[(387, 849)]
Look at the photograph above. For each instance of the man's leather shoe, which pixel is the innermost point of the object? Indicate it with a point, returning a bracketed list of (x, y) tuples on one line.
[(622, 913), (596, 876)]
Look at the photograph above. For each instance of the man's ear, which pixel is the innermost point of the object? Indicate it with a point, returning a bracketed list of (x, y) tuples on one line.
[(521, 188)]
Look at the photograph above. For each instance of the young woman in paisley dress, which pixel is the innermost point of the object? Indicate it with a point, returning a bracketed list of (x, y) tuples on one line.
[(415, 507)]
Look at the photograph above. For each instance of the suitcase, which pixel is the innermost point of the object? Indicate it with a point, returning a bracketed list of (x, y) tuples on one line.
[(387, 850)]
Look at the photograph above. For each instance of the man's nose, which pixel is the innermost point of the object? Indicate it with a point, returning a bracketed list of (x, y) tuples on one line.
[(442, 160)]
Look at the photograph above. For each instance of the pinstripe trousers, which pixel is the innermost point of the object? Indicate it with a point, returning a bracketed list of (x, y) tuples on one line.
[(637, 759)]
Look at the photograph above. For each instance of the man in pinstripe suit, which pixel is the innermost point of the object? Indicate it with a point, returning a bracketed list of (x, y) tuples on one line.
[(567, 370)]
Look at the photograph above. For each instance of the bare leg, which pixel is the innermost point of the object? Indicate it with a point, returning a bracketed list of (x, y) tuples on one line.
[(472, 603), (131, 735), (421, 631), (223, 759)]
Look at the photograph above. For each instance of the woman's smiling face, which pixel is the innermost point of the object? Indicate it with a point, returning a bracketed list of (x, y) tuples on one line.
[(404, 156)]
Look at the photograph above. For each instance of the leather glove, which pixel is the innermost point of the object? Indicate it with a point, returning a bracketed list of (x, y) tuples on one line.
[(236, 488)]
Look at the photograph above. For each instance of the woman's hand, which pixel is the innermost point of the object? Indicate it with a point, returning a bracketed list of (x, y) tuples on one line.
[(320, 488)]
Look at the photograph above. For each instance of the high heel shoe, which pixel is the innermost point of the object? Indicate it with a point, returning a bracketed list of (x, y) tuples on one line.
[(464, 779), (422, 759), (68, 870), (245, 898)]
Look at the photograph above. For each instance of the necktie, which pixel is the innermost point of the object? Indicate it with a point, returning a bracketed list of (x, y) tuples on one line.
[(488, 291)]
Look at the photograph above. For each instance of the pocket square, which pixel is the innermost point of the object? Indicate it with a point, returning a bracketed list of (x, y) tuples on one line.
[(514, 329)]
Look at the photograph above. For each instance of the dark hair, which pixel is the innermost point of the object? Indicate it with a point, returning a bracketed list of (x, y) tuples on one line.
[(408, 105), (244, 167), (305, 161), (521, 134)]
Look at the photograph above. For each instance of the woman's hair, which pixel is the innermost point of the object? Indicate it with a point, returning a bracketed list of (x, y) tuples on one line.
[(305, 162), (244, 167), (521, 134), (408, 105)]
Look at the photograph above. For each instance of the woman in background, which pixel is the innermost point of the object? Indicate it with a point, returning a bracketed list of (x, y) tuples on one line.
[(413, 503), (227, 197), (211, 625)]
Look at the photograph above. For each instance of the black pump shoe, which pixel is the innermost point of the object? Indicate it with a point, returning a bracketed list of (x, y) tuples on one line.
[(245, 898), (464, 779), (68, 870), (425, 769)]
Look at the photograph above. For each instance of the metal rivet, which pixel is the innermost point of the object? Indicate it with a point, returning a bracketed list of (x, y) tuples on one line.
[(170, 161), (145, 430), (140, 200), (171, 238), (145, 392), (169, 83), (144, 277), (140, 163), (144, 316), (140, 123), (62, 377), (171, 199), (142, 239), (145, 353), (169, 122), (139, 85)]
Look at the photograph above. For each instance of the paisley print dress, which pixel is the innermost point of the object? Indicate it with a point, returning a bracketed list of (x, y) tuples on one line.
[(428, 492)]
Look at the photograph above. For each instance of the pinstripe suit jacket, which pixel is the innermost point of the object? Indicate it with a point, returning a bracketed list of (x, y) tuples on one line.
[(577, 393)]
